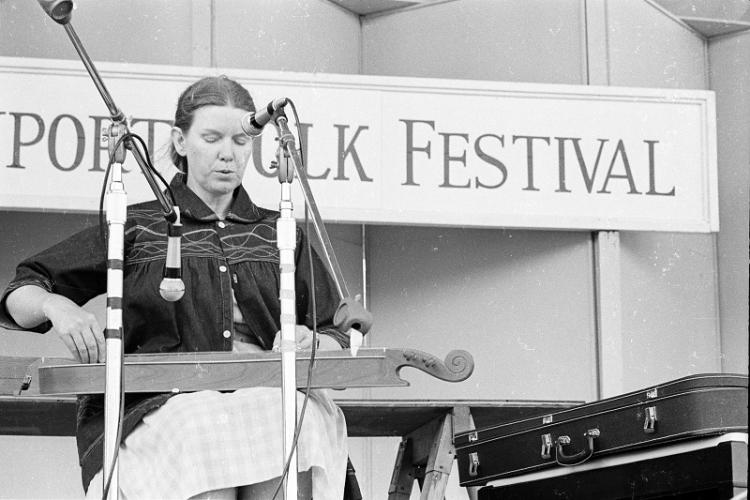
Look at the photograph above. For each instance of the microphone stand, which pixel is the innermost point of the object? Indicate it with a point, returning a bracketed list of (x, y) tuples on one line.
[(116, 209), (350, 315), (286, 241)]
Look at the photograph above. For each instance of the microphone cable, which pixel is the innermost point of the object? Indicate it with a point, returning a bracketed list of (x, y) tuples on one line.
[(103, 233), (314, 347)]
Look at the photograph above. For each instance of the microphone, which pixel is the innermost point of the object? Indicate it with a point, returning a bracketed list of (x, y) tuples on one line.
[(59, 10), (171, 287), (253, 123)]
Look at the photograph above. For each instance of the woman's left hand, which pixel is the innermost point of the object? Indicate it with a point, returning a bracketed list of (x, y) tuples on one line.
[(304, 338)]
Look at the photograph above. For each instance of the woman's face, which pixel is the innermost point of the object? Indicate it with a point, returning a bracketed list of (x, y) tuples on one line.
[(217, 151)]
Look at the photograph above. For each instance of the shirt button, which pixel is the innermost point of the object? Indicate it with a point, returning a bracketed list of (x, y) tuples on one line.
[(221, 224), (227, 334), (223, 269)]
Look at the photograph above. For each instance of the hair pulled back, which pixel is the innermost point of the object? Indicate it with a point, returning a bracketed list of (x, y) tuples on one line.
[(208, 91)]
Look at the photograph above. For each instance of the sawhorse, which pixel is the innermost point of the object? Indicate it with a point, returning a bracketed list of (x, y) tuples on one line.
[(426, 455)]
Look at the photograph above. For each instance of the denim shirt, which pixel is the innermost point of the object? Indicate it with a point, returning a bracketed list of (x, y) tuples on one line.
[(238, 254)]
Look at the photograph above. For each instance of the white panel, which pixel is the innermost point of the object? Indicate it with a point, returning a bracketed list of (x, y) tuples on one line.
[(532, 40), (306, 35), (519, 301), (730, 78), (201, 32), (669, 311), (647, 48), (145, 31), (608, 310), (597, 43), (38, 468)]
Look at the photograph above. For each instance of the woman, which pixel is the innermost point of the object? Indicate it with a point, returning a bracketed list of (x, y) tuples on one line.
[(205, 444)]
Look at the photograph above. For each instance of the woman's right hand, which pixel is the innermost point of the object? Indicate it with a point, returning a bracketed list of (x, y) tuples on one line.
[(78, 329)]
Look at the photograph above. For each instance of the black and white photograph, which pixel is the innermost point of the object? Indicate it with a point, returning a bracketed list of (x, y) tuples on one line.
[(374, 249)]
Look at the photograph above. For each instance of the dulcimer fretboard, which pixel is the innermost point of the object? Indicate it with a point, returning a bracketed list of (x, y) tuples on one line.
[(185, 372)]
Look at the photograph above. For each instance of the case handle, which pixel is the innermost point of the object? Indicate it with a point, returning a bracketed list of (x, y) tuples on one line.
[(577, 458)]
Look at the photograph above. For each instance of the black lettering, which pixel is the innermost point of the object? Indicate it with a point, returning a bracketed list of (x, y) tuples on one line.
[(411, 148), (349, 150), (17, 142), (491, 160), (530, 158), (620, 151), (447, 159), (98, 144), (652, 171), (52, 142), (303, 134), (588, 177), (562, 188)]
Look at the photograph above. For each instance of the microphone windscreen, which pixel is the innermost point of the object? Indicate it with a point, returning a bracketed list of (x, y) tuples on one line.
[(171, 289), (59, 10)]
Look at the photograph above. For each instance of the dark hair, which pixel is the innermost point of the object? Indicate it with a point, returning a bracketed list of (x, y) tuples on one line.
[(208, 91)]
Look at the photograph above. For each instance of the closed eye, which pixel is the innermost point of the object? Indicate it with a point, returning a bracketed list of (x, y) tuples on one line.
[(241, 139)]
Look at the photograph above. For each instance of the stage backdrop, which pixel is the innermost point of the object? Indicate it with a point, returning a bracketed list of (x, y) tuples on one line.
[(390, 150)]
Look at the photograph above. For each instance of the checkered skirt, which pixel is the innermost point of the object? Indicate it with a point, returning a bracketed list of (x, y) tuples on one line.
[(208, 440)]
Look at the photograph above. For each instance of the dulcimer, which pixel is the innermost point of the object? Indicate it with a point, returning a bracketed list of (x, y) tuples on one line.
[(222, 371)]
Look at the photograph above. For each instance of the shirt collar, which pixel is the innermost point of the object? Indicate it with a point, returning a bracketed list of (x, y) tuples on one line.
[(241, 210)]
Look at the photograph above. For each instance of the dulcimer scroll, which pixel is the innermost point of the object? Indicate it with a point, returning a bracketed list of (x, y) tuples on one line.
[(223, 371)]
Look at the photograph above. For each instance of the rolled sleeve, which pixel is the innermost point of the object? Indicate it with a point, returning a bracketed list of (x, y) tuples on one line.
[(74, 268), (6, 321)]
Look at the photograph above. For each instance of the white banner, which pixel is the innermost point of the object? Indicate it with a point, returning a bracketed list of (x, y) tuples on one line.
[(390, 150)]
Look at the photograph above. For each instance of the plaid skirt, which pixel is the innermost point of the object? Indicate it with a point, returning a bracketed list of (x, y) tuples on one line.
[(208, 440)]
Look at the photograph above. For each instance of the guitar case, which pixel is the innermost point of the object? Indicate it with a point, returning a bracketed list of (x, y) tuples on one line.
[(689, 408)]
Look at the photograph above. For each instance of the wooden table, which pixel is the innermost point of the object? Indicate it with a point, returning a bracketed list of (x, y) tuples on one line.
[(426, 429)]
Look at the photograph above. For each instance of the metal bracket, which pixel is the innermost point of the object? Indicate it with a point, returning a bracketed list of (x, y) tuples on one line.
[(649, 423), (473, 464), (547, 446)]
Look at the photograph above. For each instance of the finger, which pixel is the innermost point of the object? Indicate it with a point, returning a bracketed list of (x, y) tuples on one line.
[(92, 346), (81, 345), (75, 346), (301, 331), (100, 342), (304, 338), (68, 341), (95, 339)]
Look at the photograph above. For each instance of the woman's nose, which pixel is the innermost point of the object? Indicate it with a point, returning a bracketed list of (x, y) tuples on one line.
[(225, 152)]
